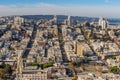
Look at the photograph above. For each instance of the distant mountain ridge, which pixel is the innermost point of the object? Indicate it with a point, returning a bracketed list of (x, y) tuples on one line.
[(61, 18)]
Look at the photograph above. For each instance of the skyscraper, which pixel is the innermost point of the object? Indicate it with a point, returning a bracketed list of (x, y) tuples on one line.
[(103, 23), (55, 19), (68, 21)]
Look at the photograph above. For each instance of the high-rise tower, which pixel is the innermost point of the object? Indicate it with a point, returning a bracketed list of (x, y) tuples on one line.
[(55, 19), (68, 21), (103, 23)]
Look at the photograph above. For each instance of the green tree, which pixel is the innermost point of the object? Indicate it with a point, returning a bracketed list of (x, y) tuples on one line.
[(87, 24), (35, 64), (46, 65), (62, 42), (8, 69), (3, 65), (114, 69)]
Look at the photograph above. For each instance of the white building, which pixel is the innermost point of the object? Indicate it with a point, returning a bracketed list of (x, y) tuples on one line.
[(68, 21), (103, 23)]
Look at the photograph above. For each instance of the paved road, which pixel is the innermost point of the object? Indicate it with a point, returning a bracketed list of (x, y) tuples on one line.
[(64, 57), (26, 52)]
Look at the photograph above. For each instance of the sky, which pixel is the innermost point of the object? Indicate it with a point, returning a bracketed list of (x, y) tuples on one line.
[(90, 8)]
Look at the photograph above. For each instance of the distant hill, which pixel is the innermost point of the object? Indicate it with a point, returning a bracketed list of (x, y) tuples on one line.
[(59, 17)]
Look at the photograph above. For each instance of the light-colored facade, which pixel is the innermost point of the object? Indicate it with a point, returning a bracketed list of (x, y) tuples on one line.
[(79, 48), (34, 76), (103, 23), (18, 20)]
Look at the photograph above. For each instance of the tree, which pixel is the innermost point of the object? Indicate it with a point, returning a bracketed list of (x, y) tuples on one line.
[(81, 40), (114, 69), (3, 73), (3, 65), (62, 42), (46, 65), (87, 24), (112, 57), (8, 69), (35, 64)]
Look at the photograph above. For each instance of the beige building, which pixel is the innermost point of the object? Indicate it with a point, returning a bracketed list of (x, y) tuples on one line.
[(64, 31), (55, 31), (79, 48), (34, 75), (18, 20)]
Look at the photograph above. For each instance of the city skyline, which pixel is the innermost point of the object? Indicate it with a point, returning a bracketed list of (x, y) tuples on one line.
[(45, 40), (94, 8)]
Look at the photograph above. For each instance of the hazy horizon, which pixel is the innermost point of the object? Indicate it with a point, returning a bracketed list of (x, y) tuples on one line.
[(91, 8)]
